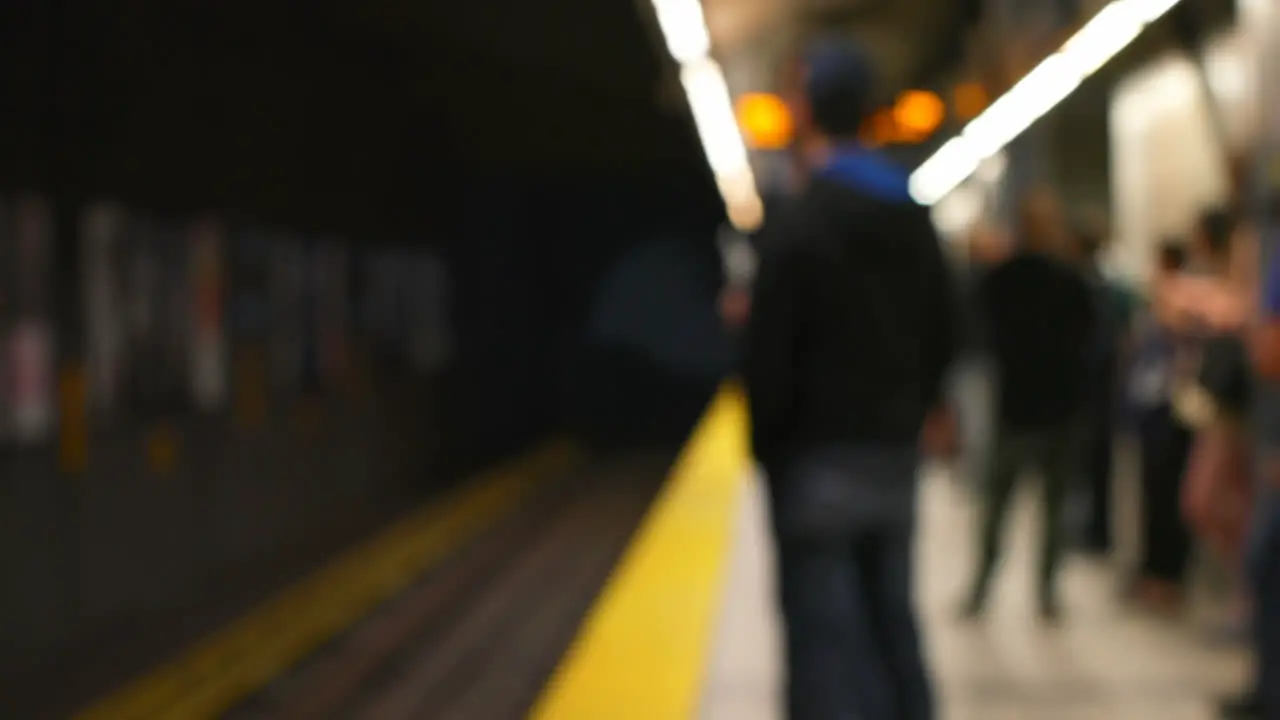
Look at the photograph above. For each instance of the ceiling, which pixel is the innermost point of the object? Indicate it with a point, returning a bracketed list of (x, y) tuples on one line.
[(359, 109), (340, 111), (913, 41)]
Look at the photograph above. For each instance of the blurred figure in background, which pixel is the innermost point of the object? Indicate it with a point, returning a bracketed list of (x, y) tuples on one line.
[(1113, 309), (1214, 398), (973, 391), (1164, 442), (1039, 321), (1262, 700), (850, 336)]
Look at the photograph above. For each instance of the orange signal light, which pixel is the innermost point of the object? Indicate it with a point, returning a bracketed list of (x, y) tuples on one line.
[(918, 114), (970, 99), (880, 129), (765, 121)]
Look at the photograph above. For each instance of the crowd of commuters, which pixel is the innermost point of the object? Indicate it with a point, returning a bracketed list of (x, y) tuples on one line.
[(853, 326), (1078, 361)]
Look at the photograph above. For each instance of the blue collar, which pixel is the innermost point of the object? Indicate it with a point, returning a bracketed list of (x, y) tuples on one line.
[(869, 172)]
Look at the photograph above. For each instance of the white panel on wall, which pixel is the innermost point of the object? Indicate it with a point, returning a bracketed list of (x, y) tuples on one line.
[(1166, 165), (1232, 69)]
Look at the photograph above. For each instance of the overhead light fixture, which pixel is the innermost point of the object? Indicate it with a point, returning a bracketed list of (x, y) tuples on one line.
[(1112, 29), (684, 28)]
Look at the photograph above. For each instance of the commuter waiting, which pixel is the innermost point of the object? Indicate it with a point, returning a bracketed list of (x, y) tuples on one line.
[(850, 335), (1039, 320), (1114, 305), (1165, 443), (1262, 700)]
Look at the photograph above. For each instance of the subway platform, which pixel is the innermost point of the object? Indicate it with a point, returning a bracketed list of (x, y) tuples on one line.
[(1103, 661)]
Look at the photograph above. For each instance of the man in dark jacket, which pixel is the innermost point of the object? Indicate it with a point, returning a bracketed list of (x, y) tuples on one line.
[(1040, 322), (850, 336)]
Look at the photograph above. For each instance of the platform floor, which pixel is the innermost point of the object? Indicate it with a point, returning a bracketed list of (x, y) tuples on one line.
[(1104, 663)]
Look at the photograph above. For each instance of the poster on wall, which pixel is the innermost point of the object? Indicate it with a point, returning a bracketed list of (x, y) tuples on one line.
[(424, 286), (208, 346), (103, 224), (28, 340), (248, 287), (287, 300), (157, 318), (381, 313), (330, 277)]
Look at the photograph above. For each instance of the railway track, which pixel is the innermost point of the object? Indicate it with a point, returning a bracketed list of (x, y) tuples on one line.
[(477, 637)]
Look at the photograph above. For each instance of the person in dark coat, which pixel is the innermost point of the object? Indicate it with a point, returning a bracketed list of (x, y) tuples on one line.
[(1040, 321), (851, 334)]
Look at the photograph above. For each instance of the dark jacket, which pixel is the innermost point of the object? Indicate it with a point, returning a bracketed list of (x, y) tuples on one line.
[(853, 323), (1040, 315)]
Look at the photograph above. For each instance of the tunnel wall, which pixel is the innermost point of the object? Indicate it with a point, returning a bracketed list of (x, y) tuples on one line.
[(462, 307)]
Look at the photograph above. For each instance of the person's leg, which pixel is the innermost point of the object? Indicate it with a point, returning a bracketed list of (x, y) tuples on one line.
[(824, 624), (1100, 461), (886, 561), (1059, 451), (1182, 542), (997, 491), (1176, 536), (1166, 540), (1151, 437)]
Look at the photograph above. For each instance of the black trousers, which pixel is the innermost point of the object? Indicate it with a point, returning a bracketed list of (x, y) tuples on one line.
[(1166, 445), (1098, 463), (1099, 448)]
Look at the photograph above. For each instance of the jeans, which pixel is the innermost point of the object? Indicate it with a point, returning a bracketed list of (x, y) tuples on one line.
[(1099, 461), (844, 518)]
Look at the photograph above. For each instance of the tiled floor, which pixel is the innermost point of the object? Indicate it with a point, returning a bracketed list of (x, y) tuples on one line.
[(1104, 663)]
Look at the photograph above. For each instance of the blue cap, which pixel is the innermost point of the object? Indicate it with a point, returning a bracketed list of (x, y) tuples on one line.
[(838, 84)]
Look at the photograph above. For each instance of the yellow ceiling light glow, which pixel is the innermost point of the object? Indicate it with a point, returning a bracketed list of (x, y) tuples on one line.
[(969, 100), (918, 114), (765, 120)]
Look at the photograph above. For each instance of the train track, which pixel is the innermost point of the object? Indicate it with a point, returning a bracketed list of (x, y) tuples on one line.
[(477, 637)]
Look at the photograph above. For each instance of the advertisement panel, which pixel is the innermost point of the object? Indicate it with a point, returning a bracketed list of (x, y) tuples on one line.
[(208, 347), (424, 284), (330, 281), (381, 311), (103, 223), (286, 306), (29, 339), (157, 318)]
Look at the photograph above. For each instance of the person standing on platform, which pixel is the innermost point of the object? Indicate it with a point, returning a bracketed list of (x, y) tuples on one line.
[(1113, 305), (850, 338), (1164, 441), (1262, 700), (1040, 321)]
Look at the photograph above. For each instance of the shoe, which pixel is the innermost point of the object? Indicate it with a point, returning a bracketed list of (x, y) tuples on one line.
[(1244, 707)]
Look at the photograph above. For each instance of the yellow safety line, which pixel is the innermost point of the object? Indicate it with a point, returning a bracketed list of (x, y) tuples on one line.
[(244, 657), (642, 653)]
